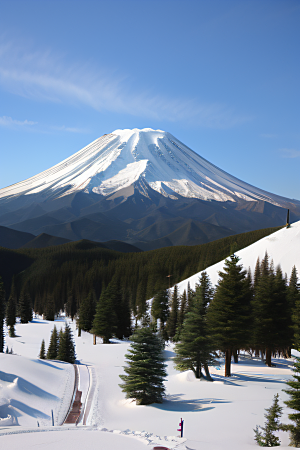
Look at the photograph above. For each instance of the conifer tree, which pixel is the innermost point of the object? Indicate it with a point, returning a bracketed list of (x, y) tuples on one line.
[(104, 323), (53, 345), (11, 310), (181, 315), (196, 347), (145, 368), (293, 296), (265, 436), (190, 297), (2, 315), (160, 310), (50, 308), (42, 350), (173, 317), (24, 306), (66, 349), (141, 304), (124, 316), (228, 312), (86, 312), (71, 305), (271, 326), (294, 403)]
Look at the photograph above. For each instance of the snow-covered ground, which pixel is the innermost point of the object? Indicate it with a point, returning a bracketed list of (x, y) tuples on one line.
[(31, 388), (218, 415), (283, 247)]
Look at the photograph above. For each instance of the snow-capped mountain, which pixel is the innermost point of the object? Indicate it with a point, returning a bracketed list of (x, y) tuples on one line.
[(140, 186), (118, 160)]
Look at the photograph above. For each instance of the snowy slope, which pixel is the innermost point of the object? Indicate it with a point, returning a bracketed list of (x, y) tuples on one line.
[(124, 157), (219, 415), (31, 388), (283, 247)]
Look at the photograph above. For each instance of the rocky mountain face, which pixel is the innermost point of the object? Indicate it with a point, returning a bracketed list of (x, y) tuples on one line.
[(144, 187)]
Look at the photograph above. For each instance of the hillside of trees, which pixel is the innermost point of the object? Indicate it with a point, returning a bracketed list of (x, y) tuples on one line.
[(64, 276)]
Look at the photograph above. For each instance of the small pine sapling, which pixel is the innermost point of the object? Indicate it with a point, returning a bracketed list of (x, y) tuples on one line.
[(265, 436), (42, 354)]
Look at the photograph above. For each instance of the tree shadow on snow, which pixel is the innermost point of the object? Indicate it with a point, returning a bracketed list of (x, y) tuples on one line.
[(175, 403), (27, 410), (46, 363), (26, 386), (168, 354), (237, 378)]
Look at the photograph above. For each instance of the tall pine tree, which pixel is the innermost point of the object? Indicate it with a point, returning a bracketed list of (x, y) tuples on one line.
[(160, 310), (11, 310), (2, 314), (293, 296), (104, 324), (145, 370), (228, 313), (53, 345), (86, 312), (173, 317), (66, 349), (25, 306), (196, 347)]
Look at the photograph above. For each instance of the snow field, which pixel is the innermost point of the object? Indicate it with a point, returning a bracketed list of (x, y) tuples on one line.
[(218, 415), (283, 247)]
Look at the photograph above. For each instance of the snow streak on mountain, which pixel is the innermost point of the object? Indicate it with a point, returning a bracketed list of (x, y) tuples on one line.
[(139, 158)]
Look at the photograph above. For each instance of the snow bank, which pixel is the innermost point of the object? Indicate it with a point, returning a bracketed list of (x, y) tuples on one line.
[(31, 388)]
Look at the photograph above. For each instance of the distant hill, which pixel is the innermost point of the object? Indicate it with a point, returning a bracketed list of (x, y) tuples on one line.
[(14, 239), (76, 268), (45, 240)]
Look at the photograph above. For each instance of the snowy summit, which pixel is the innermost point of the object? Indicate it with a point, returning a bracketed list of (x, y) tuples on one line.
[(125, 159)]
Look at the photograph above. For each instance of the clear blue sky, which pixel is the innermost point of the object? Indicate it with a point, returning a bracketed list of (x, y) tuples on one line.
[(222, 76)]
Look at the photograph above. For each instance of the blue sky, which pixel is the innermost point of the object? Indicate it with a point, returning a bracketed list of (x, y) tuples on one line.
[(222, 76)]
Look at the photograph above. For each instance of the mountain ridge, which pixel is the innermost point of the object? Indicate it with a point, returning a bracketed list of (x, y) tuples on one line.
[(129, 180)]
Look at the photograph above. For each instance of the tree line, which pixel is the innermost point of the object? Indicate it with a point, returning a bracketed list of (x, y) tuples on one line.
[(65, 275)]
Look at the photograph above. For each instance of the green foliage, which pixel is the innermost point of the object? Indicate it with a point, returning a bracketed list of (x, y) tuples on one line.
[(265, 436), (294, 403), (71, 304), (53, 345), (24, 306), (172, 322), (104, 324), (68, 272), (66, 349), (229, 311), (2, 314), (11, 310), (86, 312), (196, 347), (160, 309), (293, 297), (145, 368), (42, 354), (272, 327)]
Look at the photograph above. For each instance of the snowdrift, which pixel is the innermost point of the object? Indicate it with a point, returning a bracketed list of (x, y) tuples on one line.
[(31, 388)]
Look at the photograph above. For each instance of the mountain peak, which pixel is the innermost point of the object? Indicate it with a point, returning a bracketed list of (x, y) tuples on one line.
[(126, 158)]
